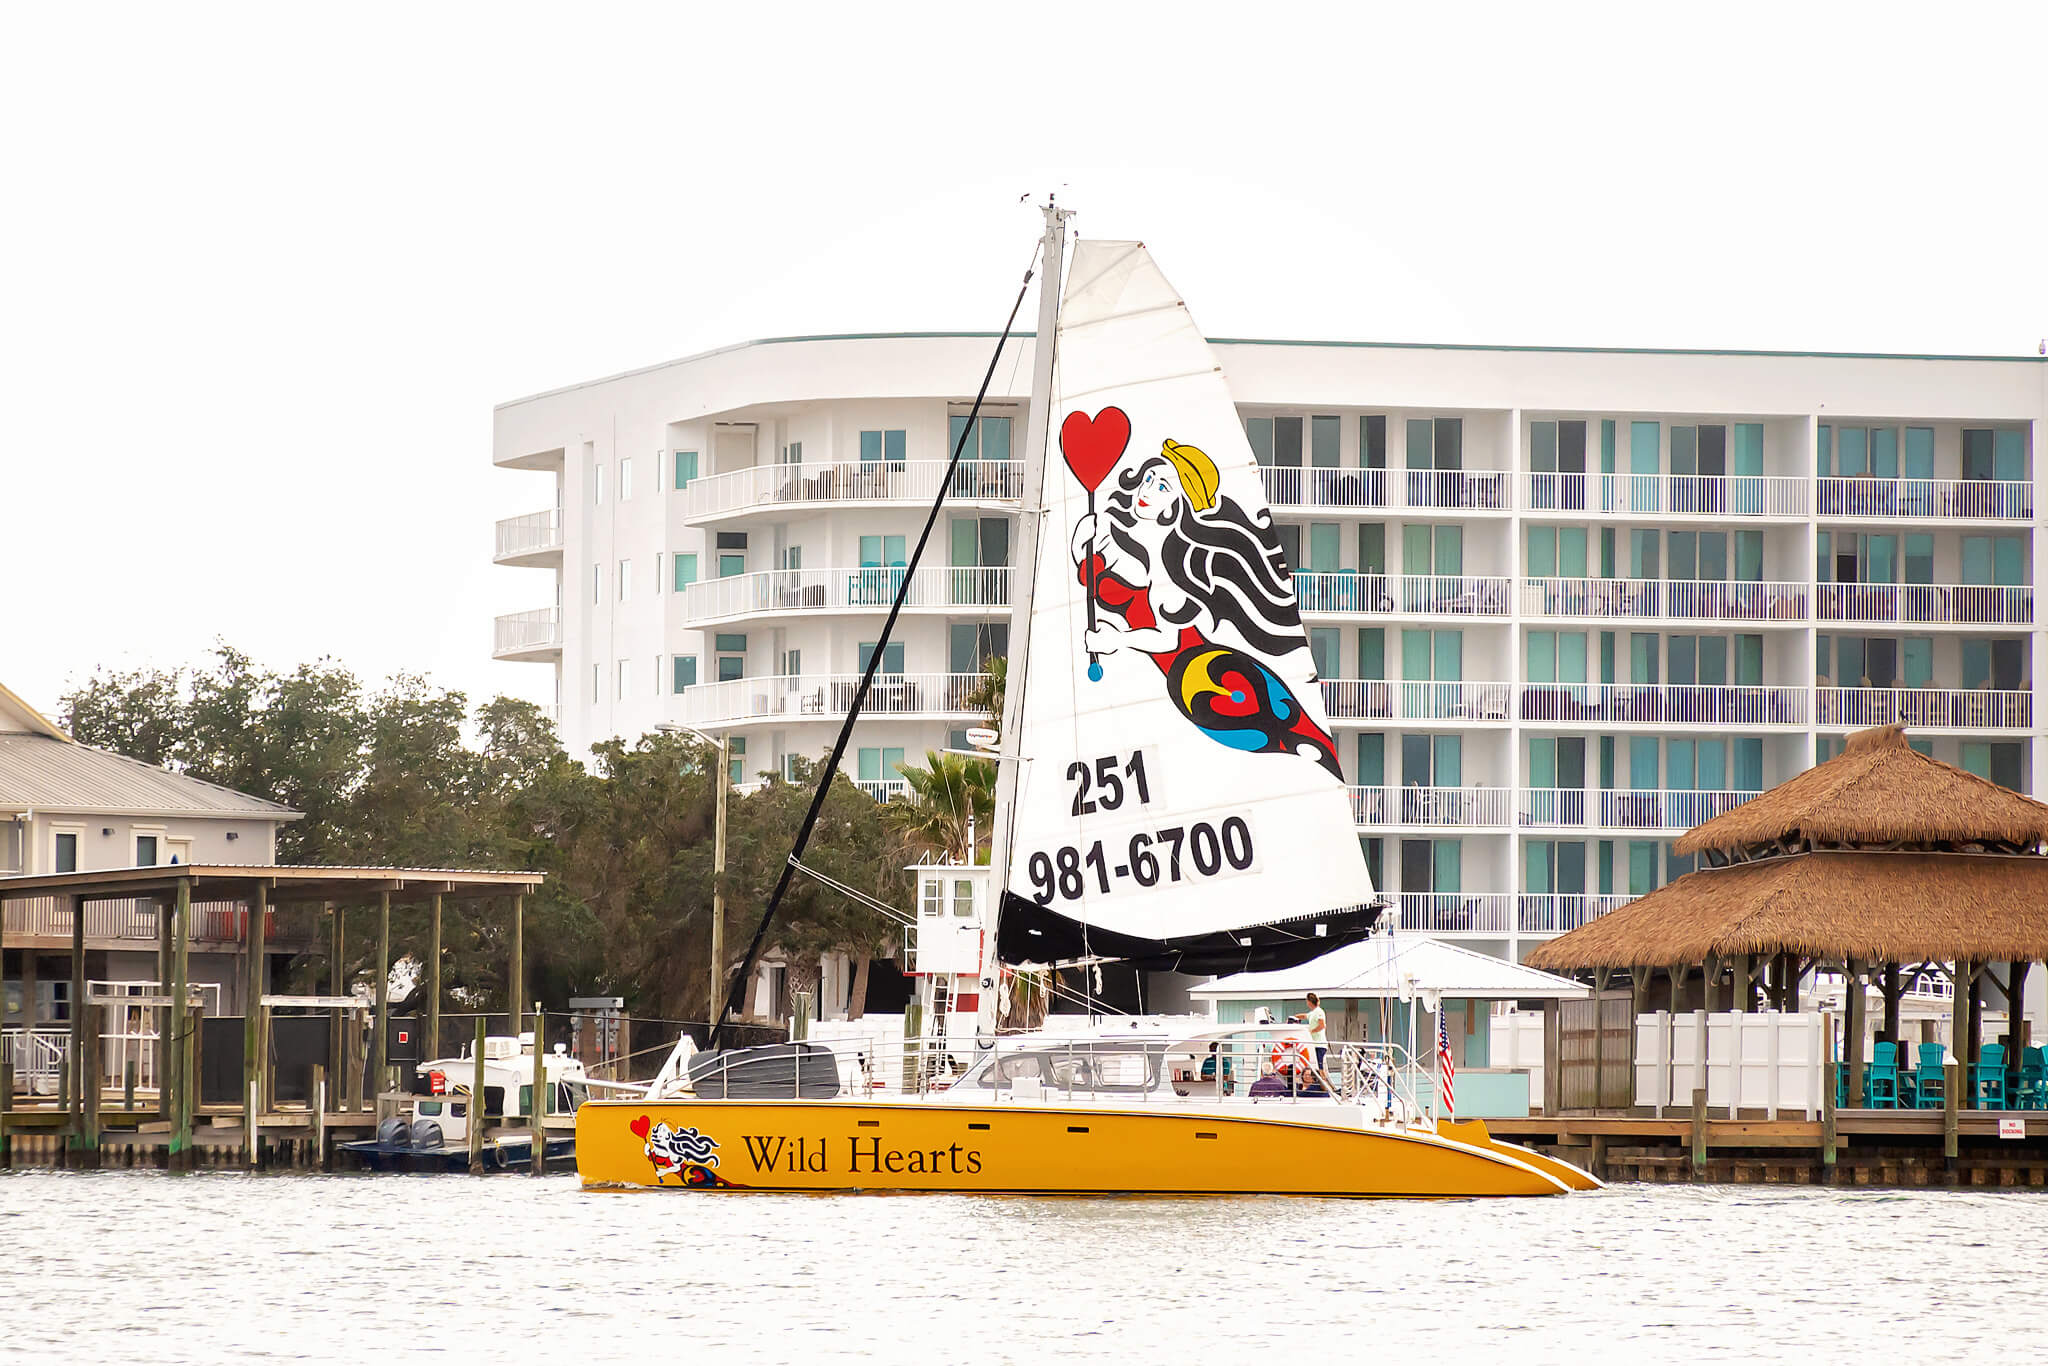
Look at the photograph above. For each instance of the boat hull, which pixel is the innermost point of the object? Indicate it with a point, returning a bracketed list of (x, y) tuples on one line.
[(858, 1145)]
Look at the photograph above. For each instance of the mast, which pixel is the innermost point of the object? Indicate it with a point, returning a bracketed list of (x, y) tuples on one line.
[(1031, 515)]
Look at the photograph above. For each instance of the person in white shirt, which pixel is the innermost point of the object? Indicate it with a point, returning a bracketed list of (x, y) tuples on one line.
[(1318, 1030)]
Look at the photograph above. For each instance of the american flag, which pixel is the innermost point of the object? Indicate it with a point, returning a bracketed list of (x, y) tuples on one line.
[(1446, 1073)]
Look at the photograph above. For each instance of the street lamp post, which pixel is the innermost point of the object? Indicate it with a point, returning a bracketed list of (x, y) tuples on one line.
[(716, 1007)]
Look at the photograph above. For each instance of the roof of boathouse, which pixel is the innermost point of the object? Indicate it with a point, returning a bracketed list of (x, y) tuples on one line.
[(1878, 793)]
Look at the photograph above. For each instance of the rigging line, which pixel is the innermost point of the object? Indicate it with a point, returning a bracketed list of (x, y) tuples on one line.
[(742, 979), (854, 894)]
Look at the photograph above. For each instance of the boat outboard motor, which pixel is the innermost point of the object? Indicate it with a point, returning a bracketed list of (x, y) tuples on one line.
[(394, 1133), (425, 1133)]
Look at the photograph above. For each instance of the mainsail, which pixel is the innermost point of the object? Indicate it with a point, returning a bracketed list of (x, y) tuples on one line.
[(1180, 802)]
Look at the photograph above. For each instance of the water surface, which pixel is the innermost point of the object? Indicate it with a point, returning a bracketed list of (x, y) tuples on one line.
[(224, 1267)]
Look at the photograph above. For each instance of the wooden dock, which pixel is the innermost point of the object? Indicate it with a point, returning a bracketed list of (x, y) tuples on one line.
[(291, 1139), (1865, 1147)]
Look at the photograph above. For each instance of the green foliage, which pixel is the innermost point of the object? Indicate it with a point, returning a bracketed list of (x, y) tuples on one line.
[(949, 797), (410, 775)]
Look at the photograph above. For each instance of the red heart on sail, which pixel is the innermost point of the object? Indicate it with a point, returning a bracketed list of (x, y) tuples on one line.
[(1093, 445), (641, 1126)]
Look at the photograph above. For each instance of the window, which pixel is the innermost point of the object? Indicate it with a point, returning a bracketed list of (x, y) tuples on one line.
[(145, 851), (685, 570), (686, 469), (657, 573), (1326, 437), (884, 765), (596, 485), (596, 684), (793, 453), (876, 447), (1325, 646), (597, 585), (1432, 760), (736, 759), (892, 658), (66, 852), (624, 671), (1372, 441), (625, 580), (1259, 432), (1432, 656), (963, 897), (989, 439), (683, 671), (732, 656), (1433, 866), (792, 663), (625, 479), (731, 566)]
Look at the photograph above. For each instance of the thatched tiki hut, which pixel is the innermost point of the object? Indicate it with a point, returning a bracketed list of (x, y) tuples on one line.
[(1881, 862)]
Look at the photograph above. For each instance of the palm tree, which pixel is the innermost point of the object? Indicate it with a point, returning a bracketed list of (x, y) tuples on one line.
[(988, 693), (949, 797)]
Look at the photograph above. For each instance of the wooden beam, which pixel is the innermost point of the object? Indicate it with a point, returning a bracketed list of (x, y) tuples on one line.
[(1853, 1024), (1894, 989), (1959, 1024), (476, 1103), (179, 1021), (515, 978), (252, 998), (379, 1063), (75, 1064), (337, 960), (540, 1091), (1744, 989), (433, 1048)]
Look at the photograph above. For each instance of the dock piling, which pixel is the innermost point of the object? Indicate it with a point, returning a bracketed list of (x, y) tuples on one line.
[(476, 1103), (320, 1116), (540, 1091)]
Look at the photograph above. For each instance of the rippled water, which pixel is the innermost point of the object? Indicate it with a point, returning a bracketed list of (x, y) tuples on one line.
[(220, 1267)]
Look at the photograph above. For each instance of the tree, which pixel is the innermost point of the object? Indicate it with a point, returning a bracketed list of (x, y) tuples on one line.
[(951, 803), (988, 694)]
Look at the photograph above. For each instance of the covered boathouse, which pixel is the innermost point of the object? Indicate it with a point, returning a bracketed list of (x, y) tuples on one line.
[(1884, 870)]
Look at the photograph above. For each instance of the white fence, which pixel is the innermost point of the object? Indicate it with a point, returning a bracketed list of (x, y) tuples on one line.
[(911, 481), (1768, 1062)]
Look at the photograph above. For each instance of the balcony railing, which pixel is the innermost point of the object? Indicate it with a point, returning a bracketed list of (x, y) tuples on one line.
[(1558, 912), (1346, 590), (1457, 912), (1956, 708), (212, 922), (1378, 807), (1551, 806), (823, 696), (911, 481), (1665, 599), (1717, 495), (1979, 499), (1665, 810), (1324, 487), (532, 533), (1664, 704), (1928, 604), (1454, 701), (884, 789), (526, 632), (807, 590), (1477, 490)]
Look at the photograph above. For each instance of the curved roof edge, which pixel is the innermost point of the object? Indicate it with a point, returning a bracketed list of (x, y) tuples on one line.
[(1289, 341)]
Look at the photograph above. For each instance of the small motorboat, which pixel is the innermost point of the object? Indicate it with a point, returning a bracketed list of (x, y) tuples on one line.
[(433, 1134)]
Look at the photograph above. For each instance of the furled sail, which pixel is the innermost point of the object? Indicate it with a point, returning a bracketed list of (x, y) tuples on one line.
[(1180, 803)]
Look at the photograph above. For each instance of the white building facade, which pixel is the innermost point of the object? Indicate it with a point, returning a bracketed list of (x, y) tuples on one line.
[(1565, 603)]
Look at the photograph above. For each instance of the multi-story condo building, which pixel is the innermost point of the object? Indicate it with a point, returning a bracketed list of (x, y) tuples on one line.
[(1565, 603)]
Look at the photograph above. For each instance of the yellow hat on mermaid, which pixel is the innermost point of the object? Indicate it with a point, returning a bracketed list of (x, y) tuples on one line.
[(1197, 473)]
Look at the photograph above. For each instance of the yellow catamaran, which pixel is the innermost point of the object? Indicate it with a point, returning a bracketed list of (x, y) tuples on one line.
[(1168, 798)]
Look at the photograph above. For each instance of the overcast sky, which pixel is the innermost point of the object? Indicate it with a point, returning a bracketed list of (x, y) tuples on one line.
[(266, 274)]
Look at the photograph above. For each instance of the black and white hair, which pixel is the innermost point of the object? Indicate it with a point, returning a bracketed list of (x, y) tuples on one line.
[(1221, 560)]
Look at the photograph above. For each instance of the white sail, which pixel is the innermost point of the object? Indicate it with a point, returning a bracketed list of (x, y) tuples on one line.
[(1179, 778)]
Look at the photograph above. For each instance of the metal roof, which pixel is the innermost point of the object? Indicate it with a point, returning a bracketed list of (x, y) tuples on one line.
[(1382, 965), (283, 882), (42, 773)]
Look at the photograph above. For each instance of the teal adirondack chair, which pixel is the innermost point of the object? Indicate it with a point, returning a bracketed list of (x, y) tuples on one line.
[(2033, 1092), (1987, 1079), (1882, 1093), (1930, 1083)]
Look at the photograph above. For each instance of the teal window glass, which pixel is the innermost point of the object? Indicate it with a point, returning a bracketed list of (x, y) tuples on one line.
[(1678, 765), (2009, 456), (1543, 447), (1884, 452), (1571, 656), (1323, 540), (1642, 867), (1541, 657), (1324, 648), (892, 658), (1749, 556), (1644, 442), (1852, 452), (1917, 660), (1372, 547), (1824, 451), (1420, 452), (1749, 448), (1920, 558), (1977, 559), (1642, 763), (1325, 441), (2008, 559), (1749, 661), (1571, 552), (1372, 652), (1749, 764), (725, 644), (682, 672), (1259, 431), (1919, 452), (871, 448), (1372, 759), (1713, 661), (685, 571), (1542, 558), (731, 668), (1712, 772), (1606, 445), (686, 468), (730, 566), (1642, 657)]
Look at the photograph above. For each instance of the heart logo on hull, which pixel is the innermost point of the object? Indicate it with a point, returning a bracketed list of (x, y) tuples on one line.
[(641, 1126)]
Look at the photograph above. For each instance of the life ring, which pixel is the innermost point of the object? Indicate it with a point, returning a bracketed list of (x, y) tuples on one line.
[(1288, 1055)]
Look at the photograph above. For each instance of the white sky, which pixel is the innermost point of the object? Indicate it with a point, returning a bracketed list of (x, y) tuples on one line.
[(266, 275)]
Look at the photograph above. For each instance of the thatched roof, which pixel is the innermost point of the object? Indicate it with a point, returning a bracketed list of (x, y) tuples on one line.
[(1885, 907), (1877, 792)]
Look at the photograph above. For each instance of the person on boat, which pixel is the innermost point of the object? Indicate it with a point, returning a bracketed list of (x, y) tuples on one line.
[(1318, 1028), (1182, 573)]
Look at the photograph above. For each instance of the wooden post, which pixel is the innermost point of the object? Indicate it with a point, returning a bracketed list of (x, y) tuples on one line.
[(1827, 1096), (1853, 1022), (913, 1029), (337, 1066), (1745, 999), (180, 1022), (89, 1077), (380, 1032), (1965, 978), (6, 1104), (128, 1084), (515, 979), (74, 1065), (476, 1103), (252, 1001), (1795, 974), (165, 1030), (1951, 1112), (1710, 984), (716, 1012), (433, 1042), (540, 1091), (1553, 1054), (1977, 971), (1699, 1128), (320, 1115), (1894, 988), (1600, 979), (2015, 1024), (252, 1143)]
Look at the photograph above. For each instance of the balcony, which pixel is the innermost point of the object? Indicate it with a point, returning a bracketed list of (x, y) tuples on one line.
[(1981, 500), (783, 698), (780, 592), (883, 790), (533, 540), (1664, 600), (134, 921), (1459, 595), (1664, 809), (1927, 604), (1375, 808), (1663, 704), (1558, 912), (534, 635), (1323, 487), (1672, 495), (913, 483), (1936, 708)]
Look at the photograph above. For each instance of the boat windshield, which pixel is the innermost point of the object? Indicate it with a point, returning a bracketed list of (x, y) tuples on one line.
[(1078, 1065)]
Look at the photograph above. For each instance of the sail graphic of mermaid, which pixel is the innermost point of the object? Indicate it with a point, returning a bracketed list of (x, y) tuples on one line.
[(1180, 572)]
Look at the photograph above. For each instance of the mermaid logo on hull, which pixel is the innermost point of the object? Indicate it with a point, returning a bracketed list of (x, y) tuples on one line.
[(685, 1154), (1177, 570)]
